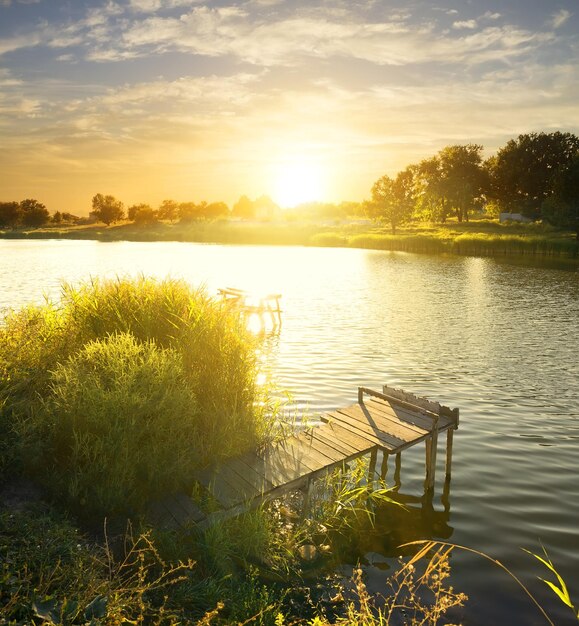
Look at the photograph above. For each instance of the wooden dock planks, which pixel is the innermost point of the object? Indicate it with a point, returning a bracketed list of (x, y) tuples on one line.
[(378, 422)]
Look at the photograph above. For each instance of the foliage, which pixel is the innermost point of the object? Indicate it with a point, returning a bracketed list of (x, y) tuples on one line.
[(33, 213), (49, 573), (142, 214), (524, 171), (9, 214), (103, 356), (107, 209), (392, 199), (169, 210), (562, 208)]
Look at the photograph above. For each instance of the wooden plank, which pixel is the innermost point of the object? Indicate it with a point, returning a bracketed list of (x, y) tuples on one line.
[(303, 453), (334, 455), (354, 426), (420, 424), (386, 424), (340, 435), (279, 468), (327, 435), (226, 486), (413, 418), (320, 448), (358, 419), (246, 469)]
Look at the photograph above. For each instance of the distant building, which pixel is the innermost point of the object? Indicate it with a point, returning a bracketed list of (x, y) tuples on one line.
[(514, 217)]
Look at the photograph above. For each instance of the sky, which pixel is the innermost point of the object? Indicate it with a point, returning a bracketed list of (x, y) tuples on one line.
[(193, 100)]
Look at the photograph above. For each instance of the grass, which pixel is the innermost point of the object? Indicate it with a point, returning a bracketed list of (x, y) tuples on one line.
[(477, 237), (118, 392)]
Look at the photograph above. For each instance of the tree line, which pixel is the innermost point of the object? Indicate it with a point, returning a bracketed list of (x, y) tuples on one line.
[(31, 213), (535, 175)]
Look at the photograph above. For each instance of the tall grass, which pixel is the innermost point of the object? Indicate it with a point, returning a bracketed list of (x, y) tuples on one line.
[(119, 391)]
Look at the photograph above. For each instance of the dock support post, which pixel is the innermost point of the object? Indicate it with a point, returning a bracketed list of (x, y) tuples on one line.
[(306, 499), (384, 466), (397, 469), (372, 467), (449, 438), (431, 445)]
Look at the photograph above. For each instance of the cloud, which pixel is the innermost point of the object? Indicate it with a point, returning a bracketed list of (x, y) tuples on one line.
[(469, 24), (559, 18)]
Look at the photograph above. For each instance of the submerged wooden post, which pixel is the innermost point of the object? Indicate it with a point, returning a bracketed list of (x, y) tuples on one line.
[(384, 467), (372, 466), (449, 438), (307, 489), (397, 468), (431, 445)]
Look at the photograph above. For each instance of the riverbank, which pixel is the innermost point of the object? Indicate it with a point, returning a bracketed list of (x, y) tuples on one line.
[(475, 238)]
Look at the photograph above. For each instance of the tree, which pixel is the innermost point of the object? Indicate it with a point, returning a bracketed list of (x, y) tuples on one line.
[(169, 210), (215, 210), (9, 214), (524, 171), (107, 209), (463, 179), (562, 207), (391, 200), (33, 213), (142, 214), (189, 211), (244, 208)]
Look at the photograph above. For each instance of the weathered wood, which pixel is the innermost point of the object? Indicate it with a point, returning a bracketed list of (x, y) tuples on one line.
[(380, 422), (397, 470), (327, 436), (384, 466), (387, 424), (372, 466), (371, 435), (430, 405), (449, 439)]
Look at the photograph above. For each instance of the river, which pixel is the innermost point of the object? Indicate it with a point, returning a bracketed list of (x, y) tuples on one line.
[(498, 340)]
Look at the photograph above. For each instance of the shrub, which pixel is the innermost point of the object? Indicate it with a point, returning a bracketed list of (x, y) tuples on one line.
[(104, 356)]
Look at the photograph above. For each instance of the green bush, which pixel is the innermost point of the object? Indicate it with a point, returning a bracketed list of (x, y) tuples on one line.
[(120, 425), (124, 388)]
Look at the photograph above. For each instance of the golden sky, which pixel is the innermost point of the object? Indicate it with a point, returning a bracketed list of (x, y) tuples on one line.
[(192, 100)]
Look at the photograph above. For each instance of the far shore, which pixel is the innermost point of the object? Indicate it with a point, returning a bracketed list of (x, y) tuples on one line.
[(480, 237)]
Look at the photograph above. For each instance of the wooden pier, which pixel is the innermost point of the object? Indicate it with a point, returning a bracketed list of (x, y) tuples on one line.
[(386, 422), (249, 304)]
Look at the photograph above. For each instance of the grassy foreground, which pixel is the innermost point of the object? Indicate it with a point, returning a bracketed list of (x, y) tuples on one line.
[(480, 237)]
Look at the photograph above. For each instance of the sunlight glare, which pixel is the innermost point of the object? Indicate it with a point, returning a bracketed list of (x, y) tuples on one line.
[(299, 181)]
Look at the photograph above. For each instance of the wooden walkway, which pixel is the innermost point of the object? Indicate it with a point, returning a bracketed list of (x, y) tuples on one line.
[(387, 422)]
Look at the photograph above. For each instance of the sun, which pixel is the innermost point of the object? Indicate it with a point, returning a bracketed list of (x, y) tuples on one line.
[(299, 181)]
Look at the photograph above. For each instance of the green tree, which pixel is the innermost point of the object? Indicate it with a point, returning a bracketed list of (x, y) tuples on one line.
[(107, 209), (142, 214), (463, 181), (524, 172), (9, 214), (33, 213), (169, 210), (189, 211), (391, 200), (431, 201), (562, 207)]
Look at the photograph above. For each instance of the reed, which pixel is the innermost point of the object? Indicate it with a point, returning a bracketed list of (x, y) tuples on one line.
[(118, 392)]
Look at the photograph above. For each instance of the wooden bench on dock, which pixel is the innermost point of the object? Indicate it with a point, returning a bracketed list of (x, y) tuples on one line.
[(386, 422)]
